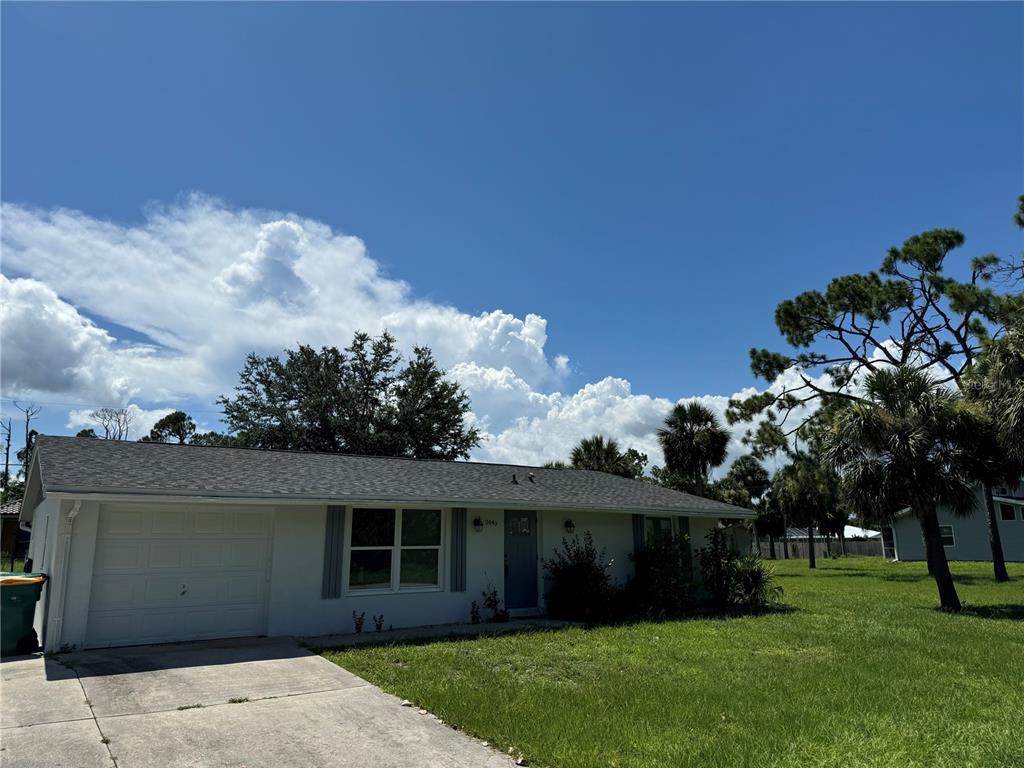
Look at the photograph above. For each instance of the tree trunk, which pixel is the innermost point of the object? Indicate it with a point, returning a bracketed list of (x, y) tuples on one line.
[(771, 546), (994, 542), (842, 543), (785, 539), (757, 543), (938, 566), (811, 562)]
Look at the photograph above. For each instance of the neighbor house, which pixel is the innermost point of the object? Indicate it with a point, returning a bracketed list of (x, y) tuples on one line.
[(148, 543), (964, 538), (13, 540)]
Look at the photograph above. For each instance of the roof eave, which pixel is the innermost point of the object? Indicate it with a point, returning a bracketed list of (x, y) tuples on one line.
[(128, 494)]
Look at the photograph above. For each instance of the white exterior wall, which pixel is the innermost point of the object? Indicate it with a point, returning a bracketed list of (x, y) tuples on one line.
[(63, 607), (294, 602), (71, 622), (612, 532), (970, 535), (296, 605), (40, 549), (38, 543), (699, 529)]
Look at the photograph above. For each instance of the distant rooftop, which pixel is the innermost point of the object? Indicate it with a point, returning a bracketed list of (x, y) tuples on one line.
[(850, 532)]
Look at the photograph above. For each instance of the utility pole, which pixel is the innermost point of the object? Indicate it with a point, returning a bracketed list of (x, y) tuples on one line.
[(30, 411), (6, 427)]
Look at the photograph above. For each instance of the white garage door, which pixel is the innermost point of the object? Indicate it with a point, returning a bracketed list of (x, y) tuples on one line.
[(172, 572)]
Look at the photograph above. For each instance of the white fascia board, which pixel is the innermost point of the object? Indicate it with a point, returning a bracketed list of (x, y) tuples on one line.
[(110, 495), (1009, 500)]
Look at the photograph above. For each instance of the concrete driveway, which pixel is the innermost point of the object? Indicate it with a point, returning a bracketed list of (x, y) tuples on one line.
[(243, 704)]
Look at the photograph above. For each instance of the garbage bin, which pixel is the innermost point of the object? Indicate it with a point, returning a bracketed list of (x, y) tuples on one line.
[(19, 593)]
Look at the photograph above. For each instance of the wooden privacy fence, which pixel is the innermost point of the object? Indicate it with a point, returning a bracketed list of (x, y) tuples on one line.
[(798, 549)]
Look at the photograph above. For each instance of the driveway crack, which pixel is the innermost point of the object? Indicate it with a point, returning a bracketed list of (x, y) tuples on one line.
[(103, 737), (204, 705)]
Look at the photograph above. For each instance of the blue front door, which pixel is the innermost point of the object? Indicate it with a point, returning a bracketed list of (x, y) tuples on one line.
[(520, 559)]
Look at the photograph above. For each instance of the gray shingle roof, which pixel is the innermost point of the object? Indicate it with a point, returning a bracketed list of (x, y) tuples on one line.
[(82, 465)]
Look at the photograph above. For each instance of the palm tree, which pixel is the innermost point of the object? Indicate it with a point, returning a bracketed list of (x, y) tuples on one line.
[(770, 522), (834, 524), (908, 445), (599, 454), (745, 485), (748, 473), (996, 392), (997, 380), (806, 492), (694, 442)]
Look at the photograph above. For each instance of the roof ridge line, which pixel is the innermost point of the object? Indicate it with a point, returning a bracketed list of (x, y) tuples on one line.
[(316, 453)]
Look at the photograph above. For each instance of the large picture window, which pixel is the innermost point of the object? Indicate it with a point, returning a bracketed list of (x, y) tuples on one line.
[(394, 549)]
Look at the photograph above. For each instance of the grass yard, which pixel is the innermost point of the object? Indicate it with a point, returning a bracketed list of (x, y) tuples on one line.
[(862, 672), (5, 564)]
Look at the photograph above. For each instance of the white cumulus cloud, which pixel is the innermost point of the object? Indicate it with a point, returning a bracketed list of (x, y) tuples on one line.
[(205, 284), (198, 284), (50, 347)]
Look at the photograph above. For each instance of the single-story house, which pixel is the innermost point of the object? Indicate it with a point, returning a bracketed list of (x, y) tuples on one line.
[(147, 542), (964, 538)]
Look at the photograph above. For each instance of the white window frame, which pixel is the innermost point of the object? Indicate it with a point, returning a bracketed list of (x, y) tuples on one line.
[(396, 553), (950, 536)]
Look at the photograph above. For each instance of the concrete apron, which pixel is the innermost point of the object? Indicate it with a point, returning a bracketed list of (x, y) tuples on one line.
[(437, 632), (251, 703)]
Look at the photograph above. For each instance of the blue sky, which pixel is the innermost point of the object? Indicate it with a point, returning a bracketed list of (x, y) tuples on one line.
[(651, 180)]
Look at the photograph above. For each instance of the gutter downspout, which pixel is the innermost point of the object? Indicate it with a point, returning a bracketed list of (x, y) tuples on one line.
[(62, 568)]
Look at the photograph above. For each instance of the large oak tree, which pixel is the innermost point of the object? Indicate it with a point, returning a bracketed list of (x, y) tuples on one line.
[(361, 400)]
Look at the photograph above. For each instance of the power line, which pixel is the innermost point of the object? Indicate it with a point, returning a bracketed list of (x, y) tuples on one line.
[(97, 405)]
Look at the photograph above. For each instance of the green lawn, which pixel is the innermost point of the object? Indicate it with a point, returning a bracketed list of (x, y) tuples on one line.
[(5, 564), (862, 672)]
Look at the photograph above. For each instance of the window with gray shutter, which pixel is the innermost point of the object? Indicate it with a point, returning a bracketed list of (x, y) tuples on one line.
[(639, 533), (334, 538), (458, 556)]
